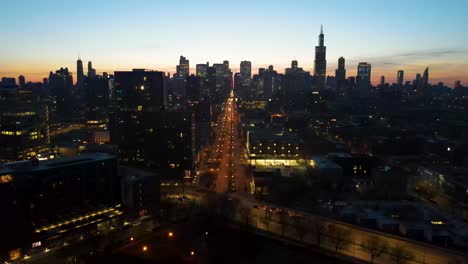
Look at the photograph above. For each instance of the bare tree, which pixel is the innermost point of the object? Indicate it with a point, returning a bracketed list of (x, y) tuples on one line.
[(244, 213), (267, 218), (318, 228), (299, 226), (374, 246), (283, 220), (339, 236), (399, 255)]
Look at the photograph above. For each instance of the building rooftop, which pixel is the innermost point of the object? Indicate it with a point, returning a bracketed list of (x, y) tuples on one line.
[(36, 165), (322, 162)]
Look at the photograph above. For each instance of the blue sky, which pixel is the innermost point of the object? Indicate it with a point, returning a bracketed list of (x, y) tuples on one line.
[(39, 36)]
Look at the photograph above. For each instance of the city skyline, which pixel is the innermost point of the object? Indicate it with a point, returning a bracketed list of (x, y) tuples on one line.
[(125, 40)]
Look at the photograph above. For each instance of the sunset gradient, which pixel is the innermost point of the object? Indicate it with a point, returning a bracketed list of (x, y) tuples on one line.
[(41, 36)]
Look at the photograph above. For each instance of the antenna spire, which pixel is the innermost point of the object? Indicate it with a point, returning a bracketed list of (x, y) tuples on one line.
[(321, 29)]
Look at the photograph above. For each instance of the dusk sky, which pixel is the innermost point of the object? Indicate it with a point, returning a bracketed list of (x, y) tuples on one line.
[(41, 36)]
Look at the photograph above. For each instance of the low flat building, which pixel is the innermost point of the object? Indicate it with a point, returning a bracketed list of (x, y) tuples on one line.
[(274, 147)]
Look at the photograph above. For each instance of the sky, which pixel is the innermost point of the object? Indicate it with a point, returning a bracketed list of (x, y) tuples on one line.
[(38, 36)]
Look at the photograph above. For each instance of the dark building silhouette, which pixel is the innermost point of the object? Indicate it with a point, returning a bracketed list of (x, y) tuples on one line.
[(147, 133), (79, 71), (61, 89), (8, 82), (21, 81), (296, 87), (340, 74), (400, 78), (47, 200), (91, 71), (320, 66)]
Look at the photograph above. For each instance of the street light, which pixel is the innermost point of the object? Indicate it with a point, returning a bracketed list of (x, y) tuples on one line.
[(144, 248), (170, 234)]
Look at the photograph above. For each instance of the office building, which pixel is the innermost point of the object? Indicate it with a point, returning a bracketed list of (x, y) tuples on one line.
[(296, 88), (45, 203), (273, 147), (363, 79), (183, 69), (61, 89), (202, 69), (245, 72), (24, 126)]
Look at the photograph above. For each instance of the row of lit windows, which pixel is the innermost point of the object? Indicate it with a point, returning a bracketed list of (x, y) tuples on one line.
[(268, 147), (19, 114), (13, 133)]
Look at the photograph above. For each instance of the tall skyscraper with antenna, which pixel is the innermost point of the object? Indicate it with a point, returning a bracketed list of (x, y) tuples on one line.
[(320, 67)]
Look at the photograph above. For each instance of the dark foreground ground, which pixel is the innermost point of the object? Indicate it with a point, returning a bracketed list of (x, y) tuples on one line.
[(220, 246)]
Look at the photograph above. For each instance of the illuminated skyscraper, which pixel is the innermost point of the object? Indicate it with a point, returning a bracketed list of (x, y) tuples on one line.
[(245, 72), (183, 69), (363, 79), (320, 68), (202, 69), (340, 74)]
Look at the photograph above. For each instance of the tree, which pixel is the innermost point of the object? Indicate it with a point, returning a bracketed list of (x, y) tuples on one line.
[(299, 226), (374, 246), (339, 236), (267, 218), (399, 255), (244, 213), (318, 230), (283, 220)]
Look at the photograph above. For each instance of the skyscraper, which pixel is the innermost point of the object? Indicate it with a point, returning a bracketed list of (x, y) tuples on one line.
[(21, 80), (424, 83), (79, 71), (202, 69), (183, 68), (400, 76), (60, 85), (382, 81), (294, 64), (140, 99), (91, 71), (245, 72), (340, 74), (320, 68), (363, 79)]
